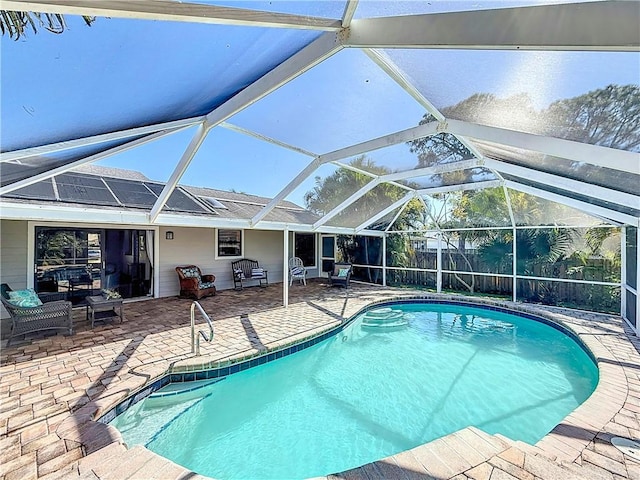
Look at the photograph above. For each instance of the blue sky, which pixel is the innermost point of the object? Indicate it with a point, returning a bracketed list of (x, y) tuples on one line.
[(122, 73)]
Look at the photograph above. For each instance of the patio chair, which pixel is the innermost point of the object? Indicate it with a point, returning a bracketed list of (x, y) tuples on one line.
[(340, 275), (297, 271), (29, 314), (193, 284)]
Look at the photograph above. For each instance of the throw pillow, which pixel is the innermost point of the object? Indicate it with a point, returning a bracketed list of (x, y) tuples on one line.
[(190, 272), (343, 272), (24, 298), (297, 271)]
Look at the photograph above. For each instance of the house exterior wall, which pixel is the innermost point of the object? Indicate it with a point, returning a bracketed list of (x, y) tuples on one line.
[(196, 246), (13, 261), (189, 246), (13, 253)]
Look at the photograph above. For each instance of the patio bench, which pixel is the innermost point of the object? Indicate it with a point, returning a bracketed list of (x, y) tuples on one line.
[(248, 270)]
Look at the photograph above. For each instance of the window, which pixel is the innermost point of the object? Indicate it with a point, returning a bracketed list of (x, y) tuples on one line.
[(229, 243), (305, 248)]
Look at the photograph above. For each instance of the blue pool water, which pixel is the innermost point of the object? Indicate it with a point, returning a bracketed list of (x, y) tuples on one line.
[(370, 392)]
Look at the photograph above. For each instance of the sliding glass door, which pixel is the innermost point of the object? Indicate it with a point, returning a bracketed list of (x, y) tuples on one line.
[(77, 262), (68, 261)]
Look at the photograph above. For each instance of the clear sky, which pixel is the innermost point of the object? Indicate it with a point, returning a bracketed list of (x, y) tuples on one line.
[(122, 73)]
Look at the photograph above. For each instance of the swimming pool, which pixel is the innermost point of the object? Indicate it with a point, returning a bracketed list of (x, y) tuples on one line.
[(397, 376)]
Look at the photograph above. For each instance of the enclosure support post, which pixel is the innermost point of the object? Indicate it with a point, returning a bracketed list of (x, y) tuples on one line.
[(439, 265), (635, 327), (623, 273), (512, 218), (285, 268), (514, 267), (384, 260)]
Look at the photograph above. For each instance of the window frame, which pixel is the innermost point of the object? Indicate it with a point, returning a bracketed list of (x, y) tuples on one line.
[(217, 244), (314, 249)]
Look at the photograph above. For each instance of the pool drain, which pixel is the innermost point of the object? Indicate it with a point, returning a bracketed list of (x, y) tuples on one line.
[(628, 447)]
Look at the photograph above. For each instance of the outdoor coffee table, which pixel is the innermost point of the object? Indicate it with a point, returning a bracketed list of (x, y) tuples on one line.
[(100, 308)]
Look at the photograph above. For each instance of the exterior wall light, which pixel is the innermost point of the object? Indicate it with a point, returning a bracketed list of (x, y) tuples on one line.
[(169, 235)]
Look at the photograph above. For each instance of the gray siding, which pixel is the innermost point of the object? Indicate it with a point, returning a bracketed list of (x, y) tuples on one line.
[(190, 246), (196, 246), (13, 260), (267, 248), (13, 253)]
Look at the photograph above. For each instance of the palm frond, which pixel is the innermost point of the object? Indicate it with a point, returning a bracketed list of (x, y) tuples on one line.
[(16, 24)]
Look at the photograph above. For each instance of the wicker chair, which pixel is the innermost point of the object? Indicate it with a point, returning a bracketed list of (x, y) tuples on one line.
[(193, 284), (297, 271), (335, 279), (54, 315)]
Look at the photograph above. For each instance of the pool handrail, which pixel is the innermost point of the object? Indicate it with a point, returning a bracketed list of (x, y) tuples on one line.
[(195, 342)]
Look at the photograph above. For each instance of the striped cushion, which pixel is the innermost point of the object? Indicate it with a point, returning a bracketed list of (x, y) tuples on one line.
[(257, 272)]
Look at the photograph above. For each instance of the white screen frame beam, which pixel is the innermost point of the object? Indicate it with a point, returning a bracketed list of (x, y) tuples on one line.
[(590, 26)]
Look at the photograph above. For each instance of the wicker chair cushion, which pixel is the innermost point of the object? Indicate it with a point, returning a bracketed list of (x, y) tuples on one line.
[(24, 298), (191, 272)]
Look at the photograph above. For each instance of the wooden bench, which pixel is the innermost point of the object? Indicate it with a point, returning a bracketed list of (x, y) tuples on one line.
[(248, 270)]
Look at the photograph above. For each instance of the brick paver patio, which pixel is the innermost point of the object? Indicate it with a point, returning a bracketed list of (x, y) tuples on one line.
[(52, 387)]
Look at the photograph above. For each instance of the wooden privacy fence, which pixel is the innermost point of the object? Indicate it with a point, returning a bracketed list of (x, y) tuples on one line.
[(549, 290)]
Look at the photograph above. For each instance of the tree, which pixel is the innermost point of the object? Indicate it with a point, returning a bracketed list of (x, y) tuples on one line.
[(329, 192), (609, 117), (16, 24)]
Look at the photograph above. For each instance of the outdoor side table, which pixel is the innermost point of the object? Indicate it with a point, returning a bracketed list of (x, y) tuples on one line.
[(100, 308)]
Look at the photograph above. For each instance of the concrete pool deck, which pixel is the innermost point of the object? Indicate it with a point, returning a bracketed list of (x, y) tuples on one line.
[(52, 387)]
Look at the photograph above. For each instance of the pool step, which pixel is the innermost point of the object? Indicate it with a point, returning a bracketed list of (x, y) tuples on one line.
[(383, 318), (384, 326), (179, 393)]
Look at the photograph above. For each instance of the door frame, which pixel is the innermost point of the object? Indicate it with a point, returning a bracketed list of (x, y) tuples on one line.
[(31, 246), (322, 257)]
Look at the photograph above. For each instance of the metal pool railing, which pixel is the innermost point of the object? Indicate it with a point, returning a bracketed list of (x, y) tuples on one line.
[(195, 342)]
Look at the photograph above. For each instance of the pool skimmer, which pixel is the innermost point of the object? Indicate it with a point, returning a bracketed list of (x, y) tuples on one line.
[(626, 446)]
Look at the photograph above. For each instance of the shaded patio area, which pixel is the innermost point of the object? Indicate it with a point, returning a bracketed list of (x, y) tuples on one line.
[(53, 386)]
